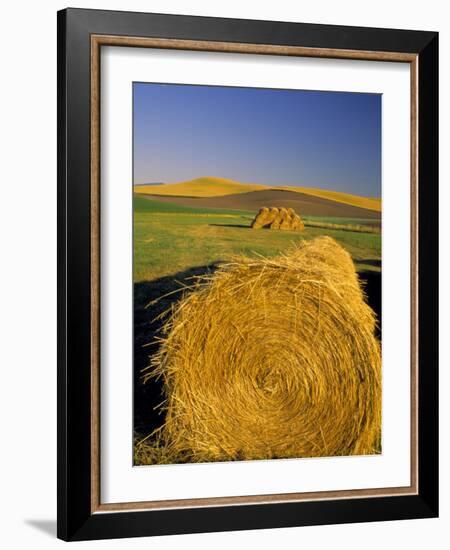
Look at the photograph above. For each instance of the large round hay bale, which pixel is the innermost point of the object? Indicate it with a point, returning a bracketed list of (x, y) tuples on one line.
[(272, 358)]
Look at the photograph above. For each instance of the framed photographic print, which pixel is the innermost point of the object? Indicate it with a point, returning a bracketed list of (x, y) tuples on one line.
[(247, 274)]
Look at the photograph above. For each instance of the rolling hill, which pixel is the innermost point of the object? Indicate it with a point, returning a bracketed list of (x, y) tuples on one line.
[(208, 187), (200, 187)]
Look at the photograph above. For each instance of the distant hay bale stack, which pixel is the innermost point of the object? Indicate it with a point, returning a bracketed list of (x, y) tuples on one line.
[(274, 212), (276, 223), (264, 217), (286, 220), (297, 223), (260, 218), (284, 216), (286, 224), (278, 218), (272, 358)]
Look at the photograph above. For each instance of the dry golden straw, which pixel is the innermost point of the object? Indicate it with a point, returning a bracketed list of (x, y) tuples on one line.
[(271, 358), (278, 218)]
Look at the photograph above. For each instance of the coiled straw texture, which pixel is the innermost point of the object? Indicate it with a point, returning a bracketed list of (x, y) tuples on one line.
[(271, 358)]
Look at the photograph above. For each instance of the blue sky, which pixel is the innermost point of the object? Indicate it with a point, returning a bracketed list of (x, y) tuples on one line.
[(330, 140)]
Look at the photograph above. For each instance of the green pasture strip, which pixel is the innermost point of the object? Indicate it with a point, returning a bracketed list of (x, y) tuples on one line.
[(343, 220), (344, 227), (167, 245), (147, 204)]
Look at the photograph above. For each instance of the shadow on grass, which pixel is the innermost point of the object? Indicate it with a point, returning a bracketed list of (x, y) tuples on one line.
[(371, 281), (374, 263), (167, 290), (238, 226), (148, 396)]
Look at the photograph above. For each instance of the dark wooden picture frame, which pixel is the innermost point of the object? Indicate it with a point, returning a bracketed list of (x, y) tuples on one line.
[(81, 34)]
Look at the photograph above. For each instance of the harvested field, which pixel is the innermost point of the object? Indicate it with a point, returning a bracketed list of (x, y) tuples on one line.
[(300, 202)]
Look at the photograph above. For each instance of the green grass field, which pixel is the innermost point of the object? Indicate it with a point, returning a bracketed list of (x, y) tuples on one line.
[(170, 239), (333, 219)]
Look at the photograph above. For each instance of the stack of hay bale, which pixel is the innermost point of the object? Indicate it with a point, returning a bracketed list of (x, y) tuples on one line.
[(278, 218)]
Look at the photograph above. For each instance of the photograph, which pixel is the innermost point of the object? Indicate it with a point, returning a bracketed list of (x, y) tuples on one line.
[(257, 273), (247, 272)]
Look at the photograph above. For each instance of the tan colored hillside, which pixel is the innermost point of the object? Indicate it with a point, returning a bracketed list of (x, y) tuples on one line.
[(200, 187), (219, 187)]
